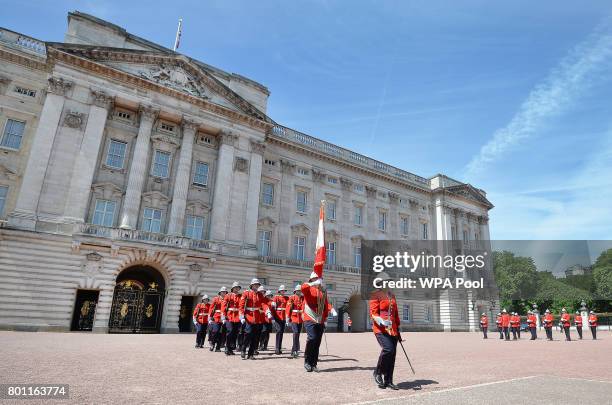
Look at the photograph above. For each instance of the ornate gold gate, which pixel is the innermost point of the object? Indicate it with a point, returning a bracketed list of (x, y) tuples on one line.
[(137, 308)]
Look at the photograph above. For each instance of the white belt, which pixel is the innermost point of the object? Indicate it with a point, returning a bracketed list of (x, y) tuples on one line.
[(232, 309), (253, 309), (217, 310), (280, 309), (296, 310)]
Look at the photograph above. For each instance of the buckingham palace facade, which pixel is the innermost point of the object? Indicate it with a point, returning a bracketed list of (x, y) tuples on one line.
[(134, 179)]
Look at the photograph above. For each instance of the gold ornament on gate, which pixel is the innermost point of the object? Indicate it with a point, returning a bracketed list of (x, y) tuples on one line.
[(85, 308), (149, 311), (124, 310)]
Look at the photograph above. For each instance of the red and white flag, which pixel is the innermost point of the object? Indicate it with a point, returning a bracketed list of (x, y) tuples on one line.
[(319, 261)]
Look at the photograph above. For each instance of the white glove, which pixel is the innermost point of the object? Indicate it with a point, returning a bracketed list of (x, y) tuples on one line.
[(379, 321), (387, 323), (269, 314), (242, 320), (195, 322), (316, 282), (222, 319), (333, 312)]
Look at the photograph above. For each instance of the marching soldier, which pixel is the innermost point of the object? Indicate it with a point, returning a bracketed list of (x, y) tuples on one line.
[(531, 322), (267, 321), (515, 324), (578, 324), (565, 324), (200, 320), (498, 322), (214, 315), (279, 302), (505, 323), (316, 309), (548, 324), (231, 317), (251, 315), (593, 324), (293, 315), (484, 324), (385, 325)]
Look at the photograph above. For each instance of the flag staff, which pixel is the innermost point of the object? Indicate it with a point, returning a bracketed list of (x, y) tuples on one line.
[(177, 40)]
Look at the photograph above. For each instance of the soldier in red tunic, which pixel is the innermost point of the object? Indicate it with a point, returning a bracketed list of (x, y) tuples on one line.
[(385, 325), (531, 322), (266, 327), (484, 324), (251, 315), (214, 314), (548, 324), (498, 322), (293, 315), (565, 324), (231, 318), (200, 320), (278, 304), (593, 324), (505, 323), (578, 323)]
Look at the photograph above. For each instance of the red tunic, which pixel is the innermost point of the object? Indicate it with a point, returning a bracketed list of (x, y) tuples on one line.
[(565, 320), (215, 309), (505, 320), (515, 321), (548, 321), (294, 308), (200, 313), (384, 305), (592, 320), (229, 307), (251, 307), (484, 321), (498, 321), (578, 320), (279, 302), (316, 305), (531, 321)]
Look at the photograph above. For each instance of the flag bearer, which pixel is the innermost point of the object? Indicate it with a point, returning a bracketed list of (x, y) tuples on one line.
[(231, 317), (593, 324), (565, 324), (200, 320), (548, 324), (214, 315), (279, 302), (484, 324), (578, 323), (293, 315), (251, 315)]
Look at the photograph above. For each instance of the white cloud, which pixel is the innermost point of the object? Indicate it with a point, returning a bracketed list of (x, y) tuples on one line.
[(585, 65)]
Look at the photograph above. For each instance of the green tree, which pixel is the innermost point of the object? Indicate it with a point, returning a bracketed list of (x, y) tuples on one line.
[(602, 276)]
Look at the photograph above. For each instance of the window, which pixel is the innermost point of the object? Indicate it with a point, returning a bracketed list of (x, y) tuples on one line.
[(358, 215), (3, 194), (382, 220), (424, 229), (104, 213), (299, 243), (13, 134), (428, 313), (264, 242), (267, 195), (476, 236), (302, 200), (116, 154), (200, 176), (151, 220), (330, 253), (357, 256), (330, 287), (161, 164), (332, 180), (270, 162), (302, 171), (194, 228), (453, 232), (404, 225), (331, 210), (406, 315), (25, 92), (465, 236), (167, 127), (462, 312), (358, 188), (123, 115)]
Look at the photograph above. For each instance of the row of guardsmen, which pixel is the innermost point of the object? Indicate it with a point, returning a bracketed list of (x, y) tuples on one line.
[(511, 322), (243, 320)]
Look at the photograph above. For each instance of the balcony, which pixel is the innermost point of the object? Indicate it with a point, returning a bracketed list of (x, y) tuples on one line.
[(307, 264), (137, 235), (22, 42), (327, 148)]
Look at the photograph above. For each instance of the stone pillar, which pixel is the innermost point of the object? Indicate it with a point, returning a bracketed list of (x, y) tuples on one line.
[(223, 184), (85, 162), (286, 208), (252, 210), (138, 169), (346, 222), (394, 230), (371, 213), (26, 208), (443, 222), (182, 178)]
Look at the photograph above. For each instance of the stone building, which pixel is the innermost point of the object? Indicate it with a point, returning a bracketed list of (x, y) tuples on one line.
[(134, 179)]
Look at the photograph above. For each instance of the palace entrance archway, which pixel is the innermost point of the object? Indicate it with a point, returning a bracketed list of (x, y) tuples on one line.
[(138, 301)]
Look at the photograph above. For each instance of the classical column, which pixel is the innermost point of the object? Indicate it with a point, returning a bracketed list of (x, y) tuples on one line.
[(85, 162), (138, 169), (252, 210), (371, 213), (183, 175), (286, 201), (394, 230), (223, 184), (346, 222), (443, 222), (24, 215)]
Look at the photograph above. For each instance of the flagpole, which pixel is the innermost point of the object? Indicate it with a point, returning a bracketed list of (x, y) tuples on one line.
[(177, 39)]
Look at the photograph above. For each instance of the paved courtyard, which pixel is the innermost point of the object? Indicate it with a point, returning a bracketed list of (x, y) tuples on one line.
[(450, 367)]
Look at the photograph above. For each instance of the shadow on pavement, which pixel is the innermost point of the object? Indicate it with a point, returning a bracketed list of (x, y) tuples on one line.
[(353, 368), (415, 385), (337, 359)]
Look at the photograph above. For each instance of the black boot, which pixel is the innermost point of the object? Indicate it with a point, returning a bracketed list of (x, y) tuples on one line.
[(378, 379)]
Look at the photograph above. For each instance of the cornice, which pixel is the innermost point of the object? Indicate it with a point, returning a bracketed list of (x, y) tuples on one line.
[(27, 61)]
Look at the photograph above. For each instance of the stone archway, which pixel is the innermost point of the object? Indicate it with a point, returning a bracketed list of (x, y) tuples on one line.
[(358, 311), (138, 300)]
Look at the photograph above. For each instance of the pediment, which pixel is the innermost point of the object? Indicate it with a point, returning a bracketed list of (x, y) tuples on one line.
[(301, 228), (469, 192), (168, 70), (266, 221)]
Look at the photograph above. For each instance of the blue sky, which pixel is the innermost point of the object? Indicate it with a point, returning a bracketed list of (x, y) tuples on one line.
[(513, 98)]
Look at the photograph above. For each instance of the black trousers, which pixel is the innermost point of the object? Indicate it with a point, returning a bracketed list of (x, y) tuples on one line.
[(484, 332), (296, 328), (549, 333), (280, 331), (314, 332), (579, 330), (252, 332), (501, 332), (265, 336), (594, 332), (201, 329), (507, 332), (240, 336), (386, 359), (513, 332), (231, 335), (216, 335), (518, 331), (566, 329), (534, 334)]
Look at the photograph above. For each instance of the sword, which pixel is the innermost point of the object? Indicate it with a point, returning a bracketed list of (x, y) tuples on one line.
[(406, 354), (325, 337)]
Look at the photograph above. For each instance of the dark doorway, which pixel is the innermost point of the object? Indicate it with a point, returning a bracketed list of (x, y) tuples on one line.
[(84, 310), (138, 301), (186, 313)]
